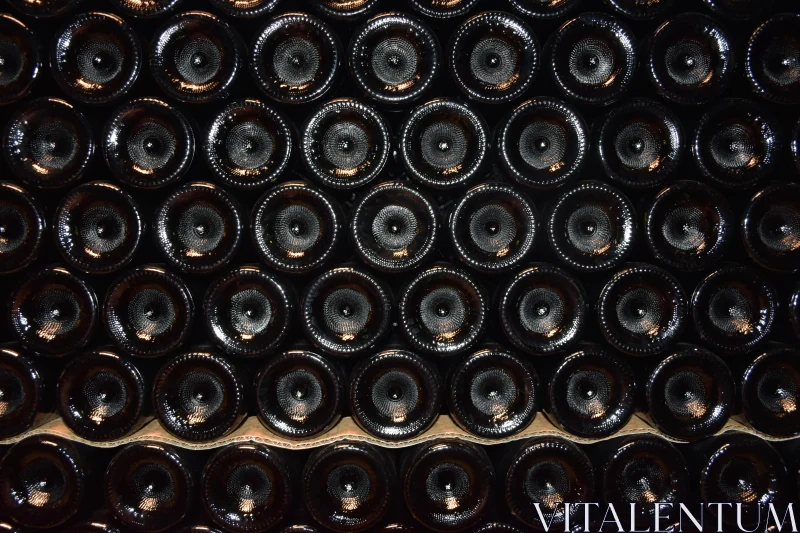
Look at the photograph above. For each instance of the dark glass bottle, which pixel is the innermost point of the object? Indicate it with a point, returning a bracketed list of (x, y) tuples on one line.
[(394, 58), (196, 57), (147, 143), (690, 394), (591, 227), (769, 391), (295, 58), (543, 310), (199, 227), (48, 143), (296, 227), (53, 312), (346, 311), (147, 311), (493, 393), (794, 145), (147, 9), (689, 226), (198, 396), (740, 9), (542, 474), (299, 394), (639, 143), (493, 57), (248, 312), (345, 10), (43, 8), (42, 482), (591, 393), (245, 8), (443, 10), (93, 525), (771, 60), (348, 486), (22, 225), (96, 58), (249, 145), (497, 527), (543, 143), (733, 309), (636, 9), (592, 58), (21, 59), (447, 484), (444, 143), (246, 487), (771, 227), (101, 396), (23, 393), (642, 310), (443, 311), (345, 144), (736, 143), (794, 311), (395, 227), (545, 9), (690, 59), (98, 227), (395, 394), (493, 227), (206, 529), (148, 487)]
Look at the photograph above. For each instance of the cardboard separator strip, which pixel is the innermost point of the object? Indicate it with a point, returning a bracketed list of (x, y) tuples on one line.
[(253, 431)]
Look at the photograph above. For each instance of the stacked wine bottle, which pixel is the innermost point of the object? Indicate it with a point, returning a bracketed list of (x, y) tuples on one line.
[(389, 259)]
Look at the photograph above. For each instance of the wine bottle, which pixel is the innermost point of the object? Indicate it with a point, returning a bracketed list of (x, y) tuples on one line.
[(493, 227), (493, 57), (101, 396), (733, 309), (346, 311), (299, 394), (246, 487), (98, 227), (345, 144), (196, 57), (48, 143), (592, 58), (147, 143), (545, 9), (394, 58), (443, 311), (395, 227), (498, 527), (591, 227), (443, 10), (96, 58), (447, 484), (345, 10), (198, 228), (736, 143), (21, 59), (689, 226), (740, 9), (296, 227), (43, 481), (300, 528), (204, 529), (395, 394), (93, 525), (249, 145), (43, 8), (348, 486), (146, 10), (591, 393), (295, 58), (147, 311), (246, 8), (493, 393), (53, 312), (198, 396), (148, 486), (638, 10), (543, 310), (690, 394), (444, 144), (769, 391), (541, 475), (771, 227), (543, 143), (639, 143), (22, 225), (771, 63), (248, 312), (23, 393), (690, 59), (642, 310)]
